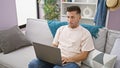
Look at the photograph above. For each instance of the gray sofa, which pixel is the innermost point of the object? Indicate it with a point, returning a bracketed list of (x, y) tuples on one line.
[(20, 58)]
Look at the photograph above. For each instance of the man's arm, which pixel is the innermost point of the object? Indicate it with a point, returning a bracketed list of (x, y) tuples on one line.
[(79, 57), (54, 45)]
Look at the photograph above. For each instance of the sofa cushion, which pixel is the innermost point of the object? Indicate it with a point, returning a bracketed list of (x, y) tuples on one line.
[(115, 51), (92, 29), (37, 30), (12, 39), (100, 41), (0, 50), (97, 59), (22, 32), (17, 59), (111, 37), (54, 25), (84, 66)]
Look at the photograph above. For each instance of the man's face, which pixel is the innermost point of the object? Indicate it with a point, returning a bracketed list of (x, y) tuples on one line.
[(73, 19)]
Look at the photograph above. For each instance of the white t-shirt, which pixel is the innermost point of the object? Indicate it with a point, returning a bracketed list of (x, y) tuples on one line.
[(73, 41)]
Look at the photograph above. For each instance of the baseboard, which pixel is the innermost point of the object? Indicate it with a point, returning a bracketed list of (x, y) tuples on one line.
[(22, 26)]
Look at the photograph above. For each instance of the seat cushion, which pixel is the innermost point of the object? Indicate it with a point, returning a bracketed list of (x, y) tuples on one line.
[(84, 66), (17, 59)]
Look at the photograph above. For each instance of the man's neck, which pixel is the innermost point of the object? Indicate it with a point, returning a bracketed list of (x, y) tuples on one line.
[(73, 27)]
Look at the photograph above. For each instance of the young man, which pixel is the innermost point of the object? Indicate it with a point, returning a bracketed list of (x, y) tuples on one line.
[(74, 41)]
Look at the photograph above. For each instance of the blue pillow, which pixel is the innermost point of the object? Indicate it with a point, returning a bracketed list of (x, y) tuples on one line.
[(54, 25), (92, 29)]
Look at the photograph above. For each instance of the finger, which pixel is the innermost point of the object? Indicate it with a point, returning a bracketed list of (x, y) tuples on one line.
[(64, 62)]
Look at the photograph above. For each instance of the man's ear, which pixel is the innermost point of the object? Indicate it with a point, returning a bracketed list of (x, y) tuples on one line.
[(80, 17)]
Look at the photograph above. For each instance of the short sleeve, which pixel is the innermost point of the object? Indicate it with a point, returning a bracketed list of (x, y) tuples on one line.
[(87, 43), (56, 38)]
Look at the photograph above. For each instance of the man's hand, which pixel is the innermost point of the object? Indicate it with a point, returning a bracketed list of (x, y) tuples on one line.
[(65, 60), (54, 45)]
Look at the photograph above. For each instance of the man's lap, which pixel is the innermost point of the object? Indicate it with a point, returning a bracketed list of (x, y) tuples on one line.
[(68, 65), (36, 63)]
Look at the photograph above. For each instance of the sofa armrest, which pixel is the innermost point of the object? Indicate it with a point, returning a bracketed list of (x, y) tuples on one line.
[(112, 35)]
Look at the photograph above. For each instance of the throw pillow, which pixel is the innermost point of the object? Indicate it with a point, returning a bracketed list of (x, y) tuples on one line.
[(0, 50), (54, 25), (97, 59), (92, 29), (12, 39), (37, 30), (115, 51)]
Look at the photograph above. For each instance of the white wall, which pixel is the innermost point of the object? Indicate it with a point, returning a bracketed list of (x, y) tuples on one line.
[(25, 9), (8, 17)]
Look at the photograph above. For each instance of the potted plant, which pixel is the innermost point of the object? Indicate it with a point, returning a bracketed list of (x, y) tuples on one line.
[(51, 10)]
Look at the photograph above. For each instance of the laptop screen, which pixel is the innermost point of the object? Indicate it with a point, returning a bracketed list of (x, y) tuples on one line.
[(48, 53)]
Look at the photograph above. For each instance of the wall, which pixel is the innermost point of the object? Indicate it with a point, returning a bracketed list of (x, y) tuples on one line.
[(25, 9), (8, 16), (114, 20)]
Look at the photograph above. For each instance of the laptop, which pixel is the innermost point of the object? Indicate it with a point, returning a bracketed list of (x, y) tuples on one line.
[(48, 53)]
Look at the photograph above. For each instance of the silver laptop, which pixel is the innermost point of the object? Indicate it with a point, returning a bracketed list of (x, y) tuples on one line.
[(48, 53)]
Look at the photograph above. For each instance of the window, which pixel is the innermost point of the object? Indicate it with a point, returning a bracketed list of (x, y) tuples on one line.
[(25, 9)]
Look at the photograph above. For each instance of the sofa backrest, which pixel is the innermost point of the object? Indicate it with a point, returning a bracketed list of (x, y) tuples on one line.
[(35, 32)]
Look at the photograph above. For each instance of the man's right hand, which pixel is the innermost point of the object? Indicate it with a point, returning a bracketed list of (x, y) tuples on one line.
[(64, 60), (54, 45)]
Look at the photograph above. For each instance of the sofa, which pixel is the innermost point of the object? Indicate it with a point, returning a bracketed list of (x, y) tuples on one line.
[(38, 30)]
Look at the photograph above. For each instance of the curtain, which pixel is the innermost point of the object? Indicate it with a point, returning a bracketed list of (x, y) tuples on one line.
[(100, 17)]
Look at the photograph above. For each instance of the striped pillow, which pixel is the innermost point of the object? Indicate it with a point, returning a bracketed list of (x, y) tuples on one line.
[(97, 59)]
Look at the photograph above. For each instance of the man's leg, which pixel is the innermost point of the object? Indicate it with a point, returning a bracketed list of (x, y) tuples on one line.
[(68, 65), (36, 63)]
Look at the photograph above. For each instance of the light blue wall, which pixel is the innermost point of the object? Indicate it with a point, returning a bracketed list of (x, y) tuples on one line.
[(8, 16), (114, 20)]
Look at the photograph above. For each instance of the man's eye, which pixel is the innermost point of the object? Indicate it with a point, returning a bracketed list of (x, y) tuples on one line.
[(72, 17), (68, 17)]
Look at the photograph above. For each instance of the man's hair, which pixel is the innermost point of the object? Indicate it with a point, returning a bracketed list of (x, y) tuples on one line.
[(74, 8)]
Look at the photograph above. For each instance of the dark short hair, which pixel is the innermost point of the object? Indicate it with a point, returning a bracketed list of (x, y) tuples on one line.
[(74, 8)]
